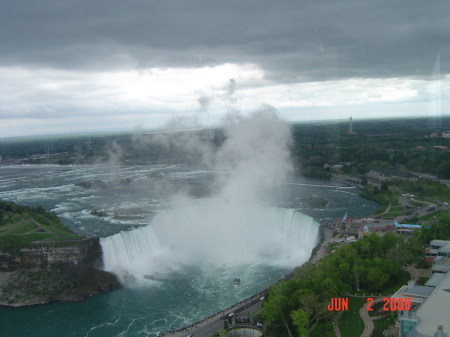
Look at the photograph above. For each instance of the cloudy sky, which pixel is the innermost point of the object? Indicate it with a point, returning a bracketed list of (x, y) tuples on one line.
[(88, 65)]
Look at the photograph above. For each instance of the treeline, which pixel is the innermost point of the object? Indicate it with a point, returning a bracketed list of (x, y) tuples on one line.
[(371, 265), (114, 148), (390, 143)]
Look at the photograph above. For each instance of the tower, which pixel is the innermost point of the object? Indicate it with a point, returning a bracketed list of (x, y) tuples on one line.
[(350, 127)]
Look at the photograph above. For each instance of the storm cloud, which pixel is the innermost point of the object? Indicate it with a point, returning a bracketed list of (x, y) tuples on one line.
[(289, 43)]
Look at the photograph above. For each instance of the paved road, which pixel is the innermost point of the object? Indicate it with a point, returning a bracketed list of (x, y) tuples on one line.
[(214, 323)]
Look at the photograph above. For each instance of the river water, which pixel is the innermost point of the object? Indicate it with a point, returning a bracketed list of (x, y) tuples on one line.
[(166, 221)]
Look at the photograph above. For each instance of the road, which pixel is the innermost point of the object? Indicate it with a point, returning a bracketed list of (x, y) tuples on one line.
[(214, 323)]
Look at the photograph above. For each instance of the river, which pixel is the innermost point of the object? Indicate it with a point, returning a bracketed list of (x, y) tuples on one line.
[(187, 219)]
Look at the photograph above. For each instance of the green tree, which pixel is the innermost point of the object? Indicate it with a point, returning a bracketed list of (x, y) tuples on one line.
[(376, 279), (300, 320)]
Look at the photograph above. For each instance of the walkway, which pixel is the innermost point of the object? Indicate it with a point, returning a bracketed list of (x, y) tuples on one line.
[(368, 321)]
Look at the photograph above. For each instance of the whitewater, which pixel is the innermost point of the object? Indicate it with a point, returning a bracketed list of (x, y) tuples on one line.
[(211, 233)]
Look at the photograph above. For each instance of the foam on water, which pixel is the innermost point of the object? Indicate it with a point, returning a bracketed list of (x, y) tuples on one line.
[(211, 232)]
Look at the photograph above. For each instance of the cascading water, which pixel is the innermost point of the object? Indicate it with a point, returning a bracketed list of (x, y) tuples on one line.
[(211, 232), (231, 229)]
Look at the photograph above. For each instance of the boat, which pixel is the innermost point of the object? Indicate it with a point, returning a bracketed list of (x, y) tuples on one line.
[(237, 281)]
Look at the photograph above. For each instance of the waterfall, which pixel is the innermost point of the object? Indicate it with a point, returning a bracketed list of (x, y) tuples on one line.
[(211, 231)]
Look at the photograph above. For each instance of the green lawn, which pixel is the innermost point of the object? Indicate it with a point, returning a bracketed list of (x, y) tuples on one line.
[(392, 215), (27, 225), (431, 216), (72, 236), (350, 323), (380, 325), (24, 227), (24, 232), (28, 238), (396, 209), (417, 204), (53, 229)]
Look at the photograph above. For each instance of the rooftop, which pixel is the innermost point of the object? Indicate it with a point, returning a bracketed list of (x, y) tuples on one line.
[(434, 311), (418, 291), (442, 261), (435, 279)]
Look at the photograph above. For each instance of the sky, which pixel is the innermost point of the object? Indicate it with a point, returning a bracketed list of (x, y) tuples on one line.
[(71, 66)]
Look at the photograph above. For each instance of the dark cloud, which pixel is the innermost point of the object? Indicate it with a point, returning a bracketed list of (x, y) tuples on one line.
[(291, 40)]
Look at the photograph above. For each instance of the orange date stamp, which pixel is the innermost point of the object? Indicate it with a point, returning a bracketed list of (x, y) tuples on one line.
[(390, 304)]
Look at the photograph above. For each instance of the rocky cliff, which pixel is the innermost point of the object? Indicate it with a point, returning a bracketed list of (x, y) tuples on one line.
[(47, 273)]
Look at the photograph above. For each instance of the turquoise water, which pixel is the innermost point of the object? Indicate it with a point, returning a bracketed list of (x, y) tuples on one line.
[(132, 197)]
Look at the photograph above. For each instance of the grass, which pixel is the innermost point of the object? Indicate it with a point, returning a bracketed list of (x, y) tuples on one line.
[(53, 229), (24, 227), (350, 323), (431, 216), (25, 232), (422, 281), (443, 198), (21, 226), (396, 209), (72, 236), (417, 203), (391, 215), (29, 238), (380, 325)]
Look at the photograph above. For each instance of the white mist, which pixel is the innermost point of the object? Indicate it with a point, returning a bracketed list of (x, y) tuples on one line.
[(236, 227)]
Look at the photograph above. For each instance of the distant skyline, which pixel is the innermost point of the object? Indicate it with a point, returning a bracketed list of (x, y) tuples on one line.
[(78, 66)]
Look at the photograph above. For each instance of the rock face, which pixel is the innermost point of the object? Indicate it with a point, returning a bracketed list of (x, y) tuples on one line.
[(47, 273)]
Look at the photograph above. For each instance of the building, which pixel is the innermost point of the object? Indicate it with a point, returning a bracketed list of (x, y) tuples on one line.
[(441, 265), (345, 223), (446, 134), (431, 317), (405, 228), (437, 248), (379, 229)]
